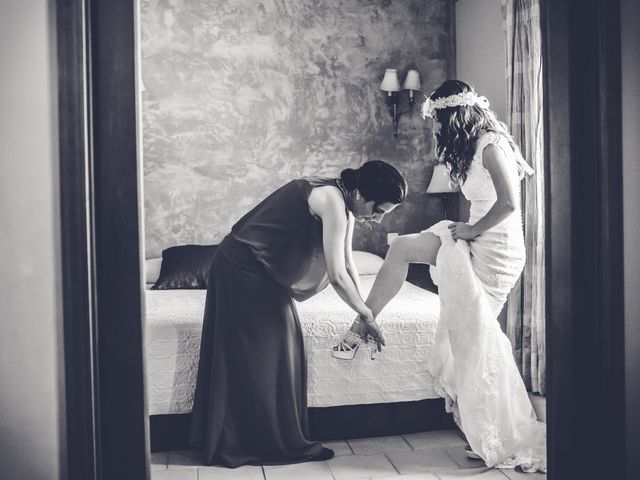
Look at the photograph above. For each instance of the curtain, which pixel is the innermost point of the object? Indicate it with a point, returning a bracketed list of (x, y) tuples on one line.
[(526, 304)]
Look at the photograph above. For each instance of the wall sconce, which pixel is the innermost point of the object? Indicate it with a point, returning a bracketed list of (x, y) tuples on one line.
[(391, 85), (441, 184), (412, 83)]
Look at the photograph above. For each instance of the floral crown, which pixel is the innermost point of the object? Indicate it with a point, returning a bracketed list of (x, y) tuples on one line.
[(457, 100)]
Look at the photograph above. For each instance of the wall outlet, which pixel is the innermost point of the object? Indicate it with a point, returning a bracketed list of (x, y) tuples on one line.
[(391, 237)]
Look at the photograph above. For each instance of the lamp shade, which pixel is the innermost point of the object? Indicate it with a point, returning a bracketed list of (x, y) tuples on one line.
[(441, 181), (412, 81), (390, 82)]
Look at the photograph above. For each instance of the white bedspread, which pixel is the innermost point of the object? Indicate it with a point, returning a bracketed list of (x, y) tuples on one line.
[(174, 322)]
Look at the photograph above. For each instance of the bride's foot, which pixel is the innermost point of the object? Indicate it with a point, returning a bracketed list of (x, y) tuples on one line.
[(528, 468), (348, 346), (470, 453)]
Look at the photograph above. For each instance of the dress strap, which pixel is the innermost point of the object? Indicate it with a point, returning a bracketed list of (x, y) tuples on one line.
[(484, 140), (345, 195), (494, 138)]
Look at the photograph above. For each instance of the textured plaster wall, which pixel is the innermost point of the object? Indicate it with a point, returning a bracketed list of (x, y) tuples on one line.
[(241, 96)]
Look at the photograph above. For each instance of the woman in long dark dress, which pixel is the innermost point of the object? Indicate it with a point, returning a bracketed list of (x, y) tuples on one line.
[(250, 404)]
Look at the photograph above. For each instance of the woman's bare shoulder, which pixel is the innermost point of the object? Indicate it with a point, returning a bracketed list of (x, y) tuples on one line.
[(326, 199)]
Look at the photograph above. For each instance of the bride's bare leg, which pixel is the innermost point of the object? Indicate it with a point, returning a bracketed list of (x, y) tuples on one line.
[(414, 248)]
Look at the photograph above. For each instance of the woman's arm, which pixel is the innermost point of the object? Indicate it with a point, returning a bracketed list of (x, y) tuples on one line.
[(329, 206), (495, 161), (348, 256)]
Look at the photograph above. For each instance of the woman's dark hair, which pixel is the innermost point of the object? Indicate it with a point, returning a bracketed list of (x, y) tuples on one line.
[(460, 126), (376, 181)]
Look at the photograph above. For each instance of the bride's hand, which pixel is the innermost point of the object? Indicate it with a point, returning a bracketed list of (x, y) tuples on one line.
[(462, 231), (373, 329)]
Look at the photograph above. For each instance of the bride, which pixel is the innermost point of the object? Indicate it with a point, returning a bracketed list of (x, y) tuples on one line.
[(475, 266)]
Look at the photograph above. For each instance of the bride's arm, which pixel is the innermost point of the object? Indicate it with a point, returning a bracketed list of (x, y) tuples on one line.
[(495, 161)]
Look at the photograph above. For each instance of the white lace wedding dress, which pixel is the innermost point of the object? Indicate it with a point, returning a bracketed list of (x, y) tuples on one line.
[(471, 358)]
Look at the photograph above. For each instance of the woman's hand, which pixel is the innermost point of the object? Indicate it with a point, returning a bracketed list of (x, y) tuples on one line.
[(462, 231), (372, 328), (366, 316)]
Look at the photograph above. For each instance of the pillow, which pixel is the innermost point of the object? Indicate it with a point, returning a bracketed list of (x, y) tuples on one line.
[(185, 267), (152, 269), (367, 263)]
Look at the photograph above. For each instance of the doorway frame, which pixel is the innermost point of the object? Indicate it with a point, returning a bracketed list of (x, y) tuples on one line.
[(107, 429), (107, 426)]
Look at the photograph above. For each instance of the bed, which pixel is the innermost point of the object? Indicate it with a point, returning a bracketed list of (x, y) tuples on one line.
[(348, 393)]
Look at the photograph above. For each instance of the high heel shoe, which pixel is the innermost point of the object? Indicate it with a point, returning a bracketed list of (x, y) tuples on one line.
[(348, 346), (374, 351), (470, 453)]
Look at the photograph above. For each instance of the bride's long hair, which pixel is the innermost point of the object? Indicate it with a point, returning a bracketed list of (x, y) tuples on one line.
[(460, 127)]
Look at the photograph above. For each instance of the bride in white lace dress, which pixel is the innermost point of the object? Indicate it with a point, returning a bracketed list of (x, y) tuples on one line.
[(475, 266)]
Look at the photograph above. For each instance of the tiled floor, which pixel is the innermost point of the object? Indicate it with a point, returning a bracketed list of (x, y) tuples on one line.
[(419, 456)]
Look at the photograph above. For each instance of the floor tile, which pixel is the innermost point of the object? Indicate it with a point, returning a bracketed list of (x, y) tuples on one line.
[(473, 474), (246, 472), (184, 459), (518, 475), (340, 447), (306, 471), (361, 466), (178, 474), (414, 476), (158, 460), (370, 446), (437, 438), (431, 460), (459, 456)]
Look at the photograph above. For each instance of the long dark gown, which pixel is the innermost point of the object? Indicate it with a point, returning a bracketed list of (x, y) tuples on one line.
[(250, 404)]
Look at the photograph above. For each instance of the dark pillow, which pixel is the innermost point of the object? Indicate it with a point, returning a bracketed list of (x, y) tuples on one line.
[(185, 266)]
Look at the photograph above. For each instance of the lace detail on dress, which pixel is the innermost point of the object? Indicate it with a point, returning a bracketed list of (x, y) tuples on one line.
[(500, 141), (471, 358), (449, 404)]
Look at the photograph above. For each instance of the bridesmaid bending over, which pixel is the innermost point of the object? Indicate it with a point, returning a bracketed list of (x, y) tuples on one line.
[(250, 404)]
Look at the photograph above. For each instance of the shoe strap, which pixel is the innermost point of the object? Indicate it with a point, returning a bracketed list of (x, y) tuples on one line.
[(351, 338)]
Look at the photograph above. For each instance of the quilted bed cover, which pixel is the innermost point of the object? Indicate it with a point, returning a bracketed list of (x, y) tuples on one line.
[(172, 336)]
